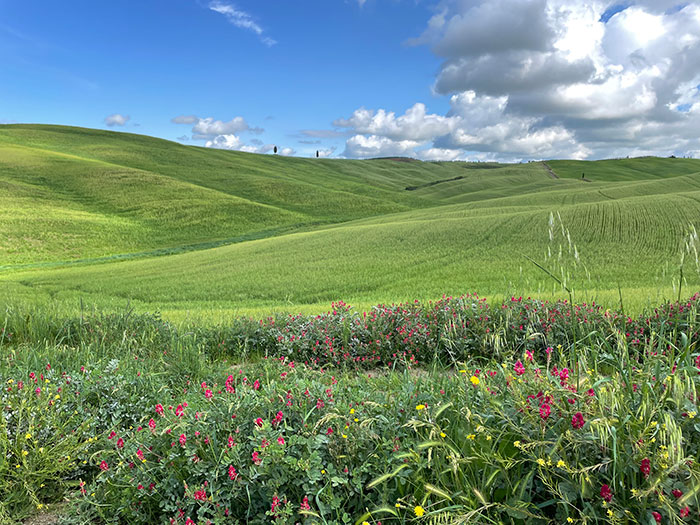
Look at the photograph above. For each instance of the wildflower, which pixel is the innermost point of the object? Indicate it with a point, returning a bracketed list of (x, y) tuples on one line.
[(280, 440), (420, 407), (657, 516), (256, 458), (159, 409), (545, 410), (443, 435), (519, 368), (27, 436), (645, 467), (419, 511), (152, 425), (232, 474), (561, 464), (570, 520), (677, 493), (305, 504), (684, 512), (183, 439), (471, 436), (352, 410), (200, 495), (104, 466), (474, 380), (259, 422), (120, 443), (208, 394), (606, 493), (541, 462), (516, 444), (577, 420), (610, 513)]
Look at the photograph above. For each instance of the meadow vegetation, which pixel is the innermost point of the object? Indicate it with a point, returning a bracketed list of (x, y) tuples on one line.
[(151, 371)]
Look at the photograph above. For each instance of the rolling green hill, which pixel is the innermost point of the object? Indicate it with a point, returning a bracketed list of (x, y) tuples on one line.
[(110, 218)]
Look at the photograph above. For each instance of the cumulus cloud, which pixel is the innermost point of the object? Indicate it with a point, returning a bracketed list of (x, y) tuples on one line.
[(549, 78), (116, 119), (209, 127), (242, 20)]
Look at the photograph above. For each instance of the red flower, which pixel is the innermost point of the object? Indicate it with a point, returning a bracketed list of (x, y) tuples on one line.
[(232, 474), (259, 421), (256, 458), (305, 504), (684, 512), (208, 394), (183, 439), (120, 443), (677, 493), (657, 516), (152, 425), (519, 368), (645, 467), (577, 421), (159, 409), (545, 410), (104, 466), (200, 495), (606, 493)]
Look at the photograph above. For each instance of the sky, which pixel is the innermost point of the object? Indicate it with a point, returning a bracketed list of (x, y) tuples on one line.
[(508, 80)]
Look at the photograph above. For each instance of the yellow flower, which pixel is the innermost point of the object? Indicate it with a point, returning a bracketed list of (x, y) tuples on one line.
[(57, 396), (610, 513), (442, 435), (634, 492), (39, 506), (419, 511), (570, 520), (365, 523), (471, 436), (692, 415), (25, 453), (653, 423), (420, 407), (345, 437), (27, 436), (462, 371), (541, 462), (398, 505), (488, 438), (323, 471), (41, 450), (474, 380), (561, 464), (516, 444), (352, 410), (355, 420)]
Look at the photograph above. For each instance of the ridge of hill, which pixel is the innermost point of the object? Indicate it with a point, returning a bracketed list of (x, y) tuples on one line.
[(110, 218)]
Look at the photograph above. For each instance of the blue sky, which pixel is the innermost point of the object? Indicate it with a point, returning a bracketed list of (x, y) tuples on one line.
[(345, 76)]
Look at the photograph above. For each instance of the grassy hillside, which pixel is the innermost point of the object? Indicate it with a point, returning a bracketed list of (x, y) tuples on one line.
[(256, 233)]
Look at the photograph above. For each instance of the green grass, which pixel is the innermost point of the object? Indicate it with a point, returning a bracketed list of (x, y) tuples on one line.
[(113, 218)]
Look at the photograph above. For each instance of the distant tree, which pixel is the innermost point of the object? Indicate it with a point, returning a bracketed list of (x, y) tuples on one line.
[(275, 150), (316, 153)]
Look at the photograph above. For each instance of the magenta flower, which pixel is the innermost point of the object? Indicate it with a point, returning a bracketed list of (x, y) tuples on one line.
[(577, 420)]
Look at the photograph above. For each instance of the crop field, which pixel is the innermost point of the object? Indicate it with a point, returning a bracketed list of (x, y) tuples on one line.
[(109, 219)]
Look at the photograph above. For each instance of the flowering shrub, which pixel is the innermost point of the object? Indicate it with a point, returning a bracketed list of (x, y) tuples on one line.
[(507, 424)]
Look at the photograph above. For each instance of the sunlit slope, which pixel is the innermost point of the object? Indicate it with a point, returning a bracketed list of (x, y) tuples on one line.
[(419, 254), (635, 169), (72, 193)]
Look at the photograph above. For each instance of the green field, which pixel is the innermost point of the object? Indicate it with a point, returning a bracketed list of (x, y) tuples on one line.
[(114, 218)]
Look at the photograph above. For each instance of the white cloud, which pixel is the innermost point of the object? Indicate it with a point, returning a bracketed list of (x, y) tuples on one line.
[(117, 119), (242, 20), (367, 146), (225, 142), (206, 128), (415, 124), (550, 78)]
